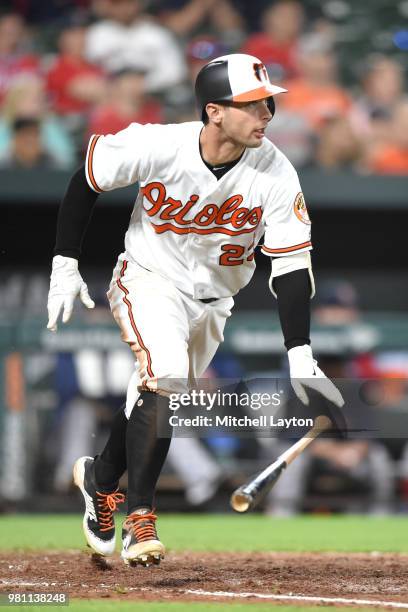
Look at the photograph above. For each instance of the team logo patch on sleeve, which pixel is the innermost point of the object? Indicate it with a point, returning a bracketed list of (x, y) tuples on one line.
[(301, 209)]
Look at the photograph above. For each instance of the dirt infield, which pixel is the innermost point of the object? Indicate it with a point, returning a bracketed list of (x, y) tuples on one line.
[(185, 576)]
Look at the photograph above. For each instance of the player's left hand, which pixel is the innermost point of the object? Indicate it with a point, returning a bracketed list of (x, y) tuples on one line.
[(66, 284), (305, 374)]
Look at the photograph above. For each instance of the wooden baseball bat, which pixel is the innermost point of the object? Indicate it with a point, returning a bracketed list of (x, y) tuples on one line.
[(249, 494)]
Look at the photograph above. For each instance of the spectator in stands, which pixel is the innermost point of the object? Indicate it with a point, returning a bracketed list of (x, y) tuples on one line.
[(15, 58), (316, 94), (127, 37), (382, 86), (126, 103), (74, 84), (26, 99), (200, 50), (189, 18), (338, 146), (26, 149), (183, 17), (228, 25), (277, 44), (392, 156)]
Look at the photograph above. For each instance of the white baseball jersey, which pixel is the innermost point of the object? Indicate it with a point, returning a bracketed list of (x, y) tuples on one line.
[(189, 227)]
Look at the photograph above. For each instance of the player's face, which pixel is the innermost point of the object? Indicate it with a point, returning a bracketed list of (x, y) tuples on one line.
[(245, 122)]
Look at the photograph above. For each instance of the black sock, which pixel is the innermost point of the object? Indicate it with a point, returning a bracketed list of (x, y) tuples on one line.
[(146, 452), (111, 463)]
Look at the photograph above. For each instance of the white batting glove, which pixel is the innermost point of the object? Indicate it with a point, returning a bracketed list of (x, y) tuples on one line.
[(305, 373), (66, 284)]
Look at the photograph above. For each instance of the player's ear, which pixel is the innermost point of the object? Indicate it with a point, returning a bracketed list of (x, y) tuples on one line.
[(214, 112)]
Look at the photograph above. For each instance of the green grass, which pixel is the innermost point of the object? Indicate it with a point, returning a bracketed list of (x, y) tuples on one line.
[(224, 533)]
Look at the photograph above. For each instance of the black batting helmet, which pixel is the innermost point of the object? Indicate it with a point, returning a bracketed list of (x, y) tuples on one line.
[(234, 78)]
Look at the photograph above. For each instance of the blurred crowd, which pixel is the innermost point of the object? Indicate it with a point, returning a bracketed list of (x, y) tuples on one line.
[(72, 68)]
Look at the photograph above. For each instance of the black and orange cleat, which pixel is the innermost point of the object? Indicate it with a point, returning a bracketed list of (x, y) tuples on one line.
[(140, 542), (98, 523)]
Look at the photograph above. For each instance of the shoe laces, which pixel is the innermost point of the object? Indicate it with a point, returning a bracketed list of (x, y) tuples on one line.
[(142, 526), (107, 504)]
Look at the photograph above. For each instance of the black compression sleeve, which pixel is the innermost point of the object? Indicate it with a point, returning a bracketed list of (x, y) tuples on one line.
[(293, 291), (74, 215)]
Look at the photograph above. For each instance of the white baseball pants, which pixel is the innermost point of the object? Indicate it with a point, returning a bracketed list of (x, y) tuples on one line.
[(173, 336)]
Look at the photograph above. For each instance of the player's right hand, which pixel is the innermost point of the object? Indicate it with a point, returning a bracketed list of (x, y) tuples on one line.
[(66, 284), (305, 374)]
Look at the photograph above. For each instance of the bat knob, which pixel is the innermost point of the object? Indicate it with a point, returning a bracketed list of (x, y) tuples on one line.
[(241, 501)]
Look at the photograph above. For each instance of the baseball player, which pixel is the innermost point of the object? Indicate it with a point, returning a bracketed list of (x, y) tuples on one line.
[(209, 191)]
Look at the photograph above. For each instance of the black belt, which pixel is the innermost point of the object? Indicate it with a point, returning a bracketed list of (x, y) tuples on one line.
[(209, 300)]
